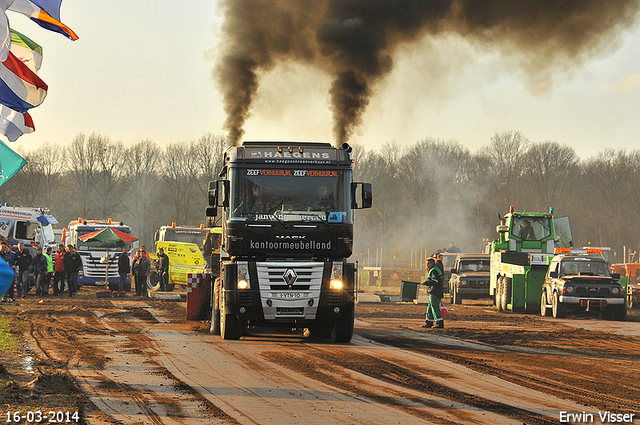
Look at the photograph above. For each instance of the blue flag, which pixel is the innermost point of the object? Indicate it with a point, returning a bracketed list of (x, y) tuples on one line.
[(10, 163), (6, 277)]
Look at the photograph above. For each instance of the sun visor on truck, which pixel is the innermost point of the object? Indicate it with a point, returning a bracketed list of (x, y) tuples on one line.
[(47, 219)]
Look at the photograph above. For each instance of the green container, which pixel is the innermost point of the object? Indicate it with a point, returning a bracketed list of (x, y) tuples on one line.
[(409, 291)]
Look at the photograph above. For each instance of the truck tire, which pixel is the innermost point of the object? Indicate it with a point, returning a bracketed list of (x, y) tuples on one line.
[(457, 298), (505, 295), (557, 308), (544, 310), (229, 323), (619, 313), (342, 329), (215, 307), (153, 283), (320, 330), (498, 294)]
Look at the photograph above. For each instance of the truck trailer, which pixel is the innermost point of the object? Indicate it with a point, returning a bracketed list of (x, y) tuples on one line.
[(286, 212)]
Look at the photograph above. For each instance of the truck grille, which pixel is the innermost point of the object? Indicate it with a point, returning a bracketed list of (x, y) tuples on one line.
[(309, 276), (592, 291), (93, 268)]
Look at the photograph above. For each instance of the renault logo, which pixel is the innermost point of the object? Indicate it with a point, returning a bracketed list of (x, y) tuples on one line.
[(290, 277)]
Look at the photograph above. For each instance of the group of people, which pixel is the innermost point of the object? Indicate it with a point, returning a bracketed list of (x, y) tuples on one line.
[(434, 283), (140, 268), (47, 269)]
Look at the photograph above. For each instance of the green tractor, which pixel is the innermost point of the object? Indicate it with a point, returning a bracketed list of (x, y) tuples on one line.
[(520, 255)]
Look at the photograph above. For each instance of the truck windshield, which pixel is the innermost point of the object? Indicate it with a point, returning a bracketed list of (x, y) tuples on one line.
[(97, 245), (474, 266), (290, 194), (49, 237), (584, 267), (196, 236), (531, 228)]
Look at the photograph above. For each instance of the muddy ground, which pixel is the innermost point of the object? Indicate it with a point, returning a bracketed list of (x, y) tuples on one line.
[(61, 353)]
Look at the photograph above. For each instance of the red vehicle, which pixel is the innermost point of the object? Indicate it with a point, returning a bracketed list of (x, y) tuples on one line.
[(629, 278)]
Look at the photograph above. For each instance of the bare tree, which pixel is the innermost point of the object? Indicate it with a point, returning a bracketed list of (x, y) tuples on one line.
[(180, 193)]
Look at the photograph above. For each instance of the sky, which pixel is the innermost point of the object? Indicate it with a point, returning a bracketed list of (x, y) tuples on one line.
[(143, 70)]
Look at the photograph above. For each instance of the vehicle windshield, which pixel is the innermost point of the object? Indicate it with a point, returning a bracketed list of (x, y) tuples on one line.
[(196, 236), (473, 265), (49, 237), (291, 194), (94, 245), (584, 267), (531, 228)]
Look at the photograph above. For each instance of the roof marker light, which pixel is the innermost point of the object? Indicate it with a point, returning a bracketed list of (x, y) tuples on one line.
[(551, 210), (512, 209)]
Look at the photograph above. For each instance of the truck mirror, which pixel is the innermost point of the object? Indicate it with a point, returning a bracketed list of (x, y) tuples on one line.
[(213, 194), (211, 211), (615, 276), (225, 202), (367, 195), (156, 236)]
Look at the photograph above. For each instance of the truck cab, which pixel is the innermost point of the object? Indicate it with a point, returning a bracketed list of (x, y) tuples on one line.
[(287, 211), (31, 226)]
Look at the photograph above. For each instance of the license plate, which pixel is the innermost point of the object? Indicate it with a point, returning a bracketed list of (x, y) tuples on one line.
[(290, 311), (288, 295)]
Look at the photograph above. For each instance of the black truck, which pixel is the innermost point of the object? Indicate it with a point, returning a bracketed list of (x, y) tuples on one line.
[(286, 211)]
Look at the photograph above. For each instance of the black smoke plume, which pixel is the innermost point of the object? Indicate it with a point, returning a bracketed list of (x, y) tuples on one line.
[(355, 40)]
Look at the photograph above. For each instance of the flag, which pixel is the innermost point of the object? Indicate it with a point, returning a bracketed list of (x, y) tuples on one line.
[(10, 163), (13, 124), (5, 38), (27, 50), (45, 13), (6, 277), (20, 87)]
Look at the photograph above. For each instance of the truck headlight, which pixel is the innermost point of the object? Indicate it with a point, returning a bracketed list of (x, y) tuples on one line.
[(615, 291), (570, 289), (463, 282), (336, 276), (243, 276)]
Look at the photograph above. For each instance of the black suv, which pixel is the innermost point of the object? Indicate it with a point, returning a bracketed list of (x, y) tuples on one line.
[(469, 277), (576, 282)]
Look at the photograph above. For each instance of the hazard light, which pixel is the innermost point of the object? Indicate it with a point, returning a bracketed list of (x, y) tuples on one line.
[(201, 225), (173, 224), (512, 209), (594, 251), (562, 251)]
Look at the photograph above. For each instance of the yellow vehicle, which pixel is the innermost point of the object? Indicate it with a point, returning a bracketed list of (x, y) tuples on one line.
[(183, 245)]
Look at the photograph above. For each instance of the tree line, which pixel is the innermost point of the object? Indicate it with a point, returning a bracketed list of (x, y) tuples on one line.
[(426, 194)]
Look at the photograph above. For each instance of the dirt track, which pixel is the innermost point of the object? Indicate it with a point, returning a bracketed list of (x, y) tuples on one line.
[(138, 361)]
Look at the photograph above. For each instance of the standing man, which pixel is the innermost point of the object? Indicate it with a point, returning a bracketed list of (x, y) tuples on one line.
[(49, 273), (58, 271), (23, 262), (72, 264), (10, 258), (141, 268), (163, 269), (124, 268), (39, 268), (434, 282)]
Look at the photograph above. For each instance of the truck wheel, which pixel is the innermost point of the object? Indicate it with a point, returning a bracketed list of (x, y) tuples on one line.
[(229, 324), (457, 298), (544, 310), (619, 312), (321, 330), (557, 309), (215, 307), (498, 294), (505, 296), (342, 329), (153, 284)]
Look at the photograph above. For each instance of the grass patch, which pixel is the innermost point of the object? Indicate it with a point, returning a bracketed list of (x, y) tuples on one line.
[(8, 341)]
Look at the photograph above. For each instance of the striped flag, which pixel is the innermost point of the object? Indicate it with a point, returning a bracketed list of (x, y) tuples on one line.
[(27, 50), (5, 37), (45, 13), (13, 124), (20, 88), (10, 163)]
